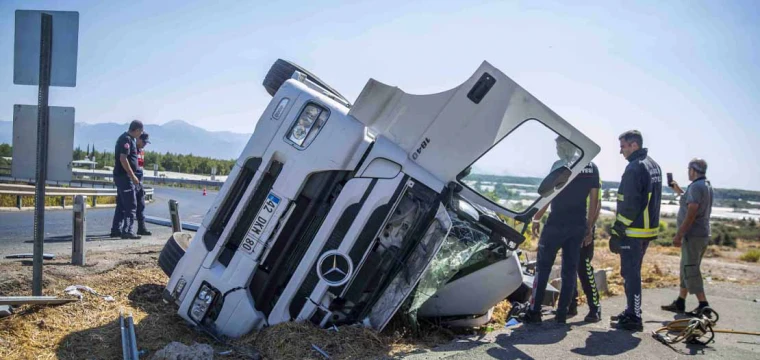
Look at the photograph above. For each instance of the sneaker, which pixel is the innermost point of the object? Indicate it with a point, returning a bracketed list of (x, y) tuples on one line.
[(572, 310), (115, 234), (594, 316), (532, 317), (128, 236), (674, 307), (144, 232), (629, 323), (561, 319), (696, 312)]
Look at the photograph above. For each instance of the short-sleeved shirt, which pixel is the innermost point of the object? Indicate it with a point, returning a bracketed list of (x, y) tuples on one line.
[(570, 206), (699, 192), (126, 145), (140, 164)]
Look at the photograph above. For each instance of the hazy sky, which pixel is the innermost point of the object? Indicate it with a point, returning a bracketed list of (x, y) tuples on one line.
[(684, 73)]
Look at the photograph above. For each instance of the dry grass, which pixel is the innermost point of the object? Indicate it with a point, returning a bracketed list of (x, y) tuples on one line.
[(89, 329)]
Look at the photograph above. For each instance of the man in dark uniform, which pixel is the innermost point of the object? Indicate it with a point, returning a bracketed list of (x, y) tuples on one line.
[(125, 164), (637, 222), (142, 141), (567, 227), (585, 269)]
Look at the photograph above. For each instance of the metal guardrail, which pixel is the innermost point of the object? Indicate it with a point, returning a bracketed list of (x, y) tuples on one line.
[(153, 179), (20, 190)]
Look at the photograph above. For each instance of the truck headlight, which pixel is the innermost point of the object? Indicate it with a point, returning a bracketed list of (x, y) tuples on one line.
[(202, 302), (308, 124)]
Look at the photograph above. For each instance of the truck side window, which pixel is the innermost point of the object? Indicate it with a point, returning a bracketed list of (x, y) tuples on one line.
[(510, 172)]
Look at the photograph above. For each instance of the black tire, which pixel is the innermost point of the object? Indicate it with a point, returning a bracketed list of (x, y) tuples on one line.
[(282, 70), (173, 251)]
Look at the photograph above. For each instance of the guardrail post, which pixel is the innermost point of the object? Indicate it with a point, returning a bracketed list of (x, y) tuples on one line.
[(79, 230), (18, 202), (94, 201), (63, 201), (174, 214)]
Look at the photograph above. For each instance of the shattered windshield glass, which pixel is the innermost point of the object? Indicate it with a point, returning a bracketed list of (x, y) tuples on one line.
[(455, 254)]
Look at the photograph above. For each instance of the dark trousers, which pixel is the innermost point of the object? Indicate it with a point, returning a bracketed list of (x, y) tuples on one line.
[(552, 239), (126, 205), (586, 276), (140, 210), (631, 256)]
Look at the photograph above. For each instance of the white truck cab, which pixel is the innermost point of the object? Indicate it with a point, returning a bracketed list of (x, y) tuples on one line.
[(341, 213)]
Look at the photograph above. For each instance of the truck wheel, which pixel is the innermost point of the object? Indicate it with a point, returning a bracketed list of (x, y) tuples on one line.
[(173, 251), (282, 70)]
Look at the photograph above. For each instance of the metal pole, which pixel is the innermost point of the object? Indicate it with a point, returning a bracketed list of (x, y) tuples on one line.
[(174, 214), (46, 45), (79, 233)]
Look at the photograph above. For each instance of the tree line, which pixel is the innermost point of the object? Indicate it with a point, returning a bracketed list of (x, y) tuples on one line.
[(189, 164)]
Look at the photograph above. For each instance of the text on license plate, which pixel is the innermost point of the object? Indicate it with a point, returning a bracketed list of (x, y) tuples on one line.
[(260, 222)]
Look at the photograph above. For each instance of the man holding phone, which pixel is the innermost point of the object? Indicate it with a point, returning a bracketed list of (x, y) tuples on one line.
[(693, 234)]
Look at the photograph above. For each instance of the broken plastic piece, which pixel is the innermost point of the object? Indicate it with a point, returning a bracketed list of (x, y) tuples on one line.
[(320, 351), (511, 322), (74, 291)]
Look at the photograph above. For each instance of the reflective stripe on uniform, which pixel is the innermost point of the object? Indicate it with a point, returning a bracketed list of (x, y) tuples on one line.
[(646, 212), (641, 233), (620, 197), (624, 220)]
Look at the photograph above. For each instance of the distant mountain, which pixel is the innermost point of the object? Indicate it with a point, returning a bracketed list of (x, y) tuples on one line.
[(175, 136)]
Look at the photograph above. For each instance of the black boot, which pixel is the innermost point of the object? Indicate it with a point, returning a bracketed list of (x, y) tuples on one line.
[(619, 317), (594, 316), (629, 322), (531, 317), (128, 236), (141, 230), (572, 310), (115, 233)]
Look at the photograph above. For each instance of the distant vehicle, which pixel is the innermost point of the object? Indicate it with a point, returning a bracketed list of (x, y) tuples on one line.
[(337, 213)]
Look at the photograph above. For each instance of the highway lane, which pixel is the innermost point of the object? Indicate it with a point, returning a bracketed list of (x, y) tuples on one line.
[(16, 227)]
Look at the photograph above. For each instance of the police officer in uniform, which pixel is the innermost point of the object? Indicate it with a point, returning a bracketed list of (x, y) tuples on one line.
[(567, 228), (125, 164), (636, 223), (142, 141)]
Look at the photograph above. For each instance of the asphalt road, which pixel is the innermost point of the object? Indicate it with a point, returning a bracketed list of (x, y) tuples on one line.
[(17, 227), (735, 304)]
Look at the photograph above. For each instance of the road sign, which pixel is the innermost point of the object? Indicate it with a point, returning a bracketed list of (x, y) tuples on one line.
[(60, 142), (26, 59)]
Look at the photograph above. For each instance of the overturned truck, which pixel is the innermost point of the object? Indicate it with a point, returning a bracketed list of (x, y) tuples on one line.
[(340, 213)]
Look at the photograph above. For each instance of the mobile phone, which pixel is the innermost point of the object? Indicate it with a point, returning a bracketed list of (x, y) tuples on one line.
[(670, 179)]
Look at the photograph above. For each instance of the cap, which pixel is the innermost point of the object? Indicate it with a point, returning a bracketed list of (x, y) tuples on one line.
[(144, 137)]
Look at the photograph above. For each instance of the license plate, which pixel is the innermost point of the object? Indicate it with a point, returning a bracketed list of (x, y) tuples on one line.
[(260, 222)]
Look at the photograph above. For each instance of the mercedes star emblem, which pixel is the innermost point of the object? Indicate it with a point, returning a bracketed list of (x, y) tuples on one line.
[(334, 268)]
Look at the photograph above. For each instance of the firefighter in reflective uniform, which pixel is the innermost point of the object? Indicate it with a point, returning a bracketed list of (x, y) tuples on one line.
[(636, 223), (142, 141)]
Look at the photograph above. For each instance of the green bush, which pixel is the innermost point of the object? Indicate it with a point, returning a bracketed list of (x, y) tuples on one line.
[(751, 256)]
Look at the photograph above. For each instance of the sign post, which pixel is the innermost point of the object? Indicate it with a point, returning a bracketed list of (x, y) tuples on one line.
[(44, 69), (46, 44)]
